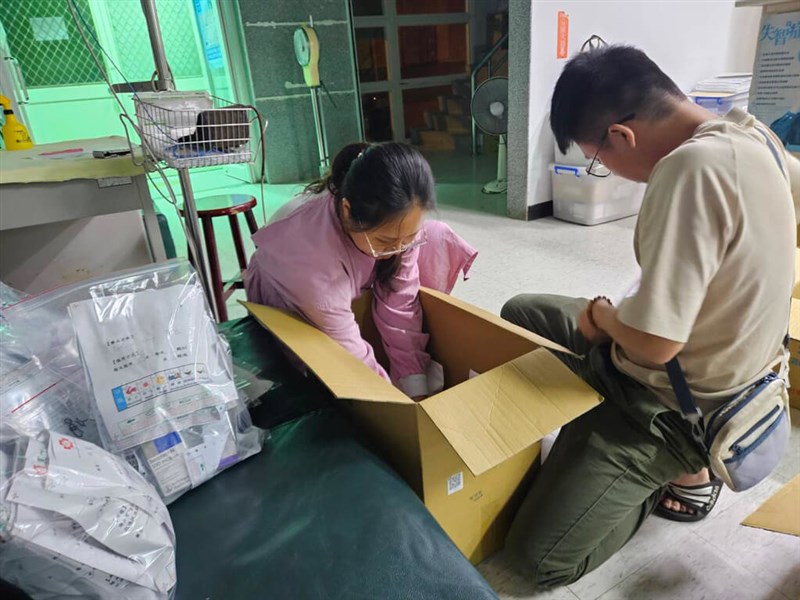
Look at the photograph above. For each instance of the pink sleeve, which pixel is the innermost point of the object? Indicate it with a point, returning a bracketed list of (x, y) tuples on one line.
[(339, 323), (444, 257), (398, 317), (322, 306)]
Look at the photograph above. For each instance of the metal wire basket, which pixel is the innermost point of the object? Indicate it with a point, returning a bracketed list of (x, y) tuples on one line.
[(194, 129)]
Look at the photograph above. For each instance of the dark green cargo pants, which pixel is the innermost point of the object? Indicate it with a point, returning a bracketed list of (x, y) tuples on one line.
[(606, 472)]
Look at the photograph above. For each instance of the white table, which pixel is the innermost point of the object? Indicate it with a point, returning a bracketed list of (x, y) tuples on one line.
[(37, 190)]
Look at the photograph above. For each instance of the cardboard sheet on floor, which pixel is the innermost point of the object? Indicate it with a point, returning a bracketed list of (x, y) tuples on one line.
[(781, 512)]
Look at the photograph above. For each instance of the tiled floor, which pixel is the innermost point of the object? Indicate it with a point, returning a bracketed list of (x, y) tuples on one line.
[(715, 559)]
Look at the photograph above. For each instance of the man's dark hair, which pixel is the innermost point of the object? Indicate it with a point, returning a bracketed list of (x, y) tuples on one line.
[(600, 87)]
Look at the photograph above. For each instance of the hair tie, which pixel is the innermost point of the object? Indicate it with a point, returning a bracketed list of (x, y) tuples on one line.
[(364, 151)]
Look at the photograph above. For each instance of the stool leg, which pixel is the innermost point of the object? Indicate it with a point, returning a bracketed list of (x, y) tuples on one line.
[(238, 243), (251, 221), (213, 266)]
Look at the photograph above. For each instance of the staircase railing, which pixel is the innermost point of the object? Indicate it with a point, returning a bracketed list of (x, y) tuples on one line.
[(485, 61)]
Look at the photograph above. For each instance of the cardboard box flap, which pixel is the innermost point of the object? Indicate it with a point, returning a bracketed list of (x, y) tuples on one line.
[(490, 318), (794, 320), (796, 289), (492, 417), (340, 371)]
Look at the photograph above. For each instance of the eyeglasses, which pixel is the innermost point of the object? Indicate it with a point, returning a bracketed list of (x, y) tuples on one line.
[(596, 168), (420, 240)]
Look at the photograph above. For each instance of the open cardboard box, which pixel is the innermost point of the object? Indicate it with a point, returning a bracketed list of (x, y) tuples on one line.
[(468, 450)]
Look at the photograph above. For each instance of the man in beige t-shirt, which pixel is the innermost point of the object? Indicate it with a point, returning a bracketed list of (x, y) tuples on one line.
[(716, 249), (715, 240)]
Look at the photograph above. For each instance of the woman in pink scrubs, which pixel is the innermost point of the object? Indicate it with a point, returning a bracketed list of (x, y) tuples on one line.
[(362, 228)]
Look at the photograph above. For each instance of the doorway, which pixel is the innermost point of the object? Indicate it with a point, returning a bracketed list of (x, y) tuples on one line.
[(64, 94), (409, 55)]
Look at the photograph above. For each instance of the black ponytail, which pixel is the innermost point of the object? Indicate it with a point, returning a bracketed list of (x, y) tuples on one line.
[(381, 182), (334, 179)]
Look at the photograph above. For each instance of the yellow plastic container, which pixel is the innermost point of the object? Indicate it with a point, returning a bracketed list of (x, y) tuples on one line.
[(15, 134)]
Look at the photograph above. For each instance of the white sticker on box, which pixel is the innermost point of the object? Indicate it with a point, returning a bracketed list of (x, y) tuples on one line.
[(455, 483)]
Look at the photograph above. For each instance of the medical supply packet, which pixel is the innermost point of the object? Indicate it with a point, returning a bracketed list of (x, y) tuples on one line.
[(143, 347), (101, 526)]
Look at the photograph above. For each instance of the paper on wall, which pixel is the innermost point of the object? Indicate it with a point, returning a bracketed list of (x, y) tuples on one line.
[(775, 91), (151, 356)]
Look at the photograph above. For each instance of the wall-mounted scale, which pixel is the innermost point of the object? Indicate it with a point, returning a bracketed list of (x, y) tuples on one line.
[(306, 52)]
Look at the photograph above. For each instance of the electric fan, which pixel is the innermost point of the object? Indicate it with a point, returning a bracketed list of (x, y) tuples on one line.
[(490, 112)]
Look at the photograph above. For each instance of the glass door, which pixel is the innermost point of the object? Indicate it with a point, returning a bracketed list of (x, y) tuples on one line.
[(409, 53), (67, 96)]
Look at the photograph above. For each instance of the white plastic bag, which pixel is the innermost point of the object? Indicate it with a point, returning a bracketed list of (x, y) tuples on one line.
[(34, 396), (12, 352), (158, 378), (77, 521)]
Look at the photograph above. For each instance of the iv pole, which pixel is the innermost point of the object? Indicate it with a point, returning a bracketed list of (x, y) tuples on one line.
[(322, 140), (164, 82)]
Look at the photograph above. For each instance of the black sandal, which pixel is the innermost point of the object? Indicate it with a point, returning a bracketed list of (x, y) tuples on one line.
[(701, 497)]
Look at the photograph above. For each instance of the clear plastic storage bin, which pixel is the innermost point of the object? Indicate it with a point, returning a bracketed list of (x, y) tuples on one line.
[(720, 104), (581, 198), (574, 156)]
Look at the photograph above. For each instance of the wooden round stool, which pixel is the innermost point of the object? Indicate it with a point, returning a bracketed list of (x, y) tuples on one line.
[(225, 205)]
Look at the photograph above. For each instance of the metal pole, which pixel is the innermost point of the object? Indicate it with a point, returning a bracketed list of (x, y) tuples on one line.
[(325, 156), (322, 141), (164, 80), (165, 83), (193, 230), (473, 128), (321, 144)]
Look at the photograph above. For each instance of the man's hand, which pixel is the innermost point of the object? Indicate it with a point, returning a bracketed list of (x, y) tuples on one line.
[(593, 334), (641, 347)]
